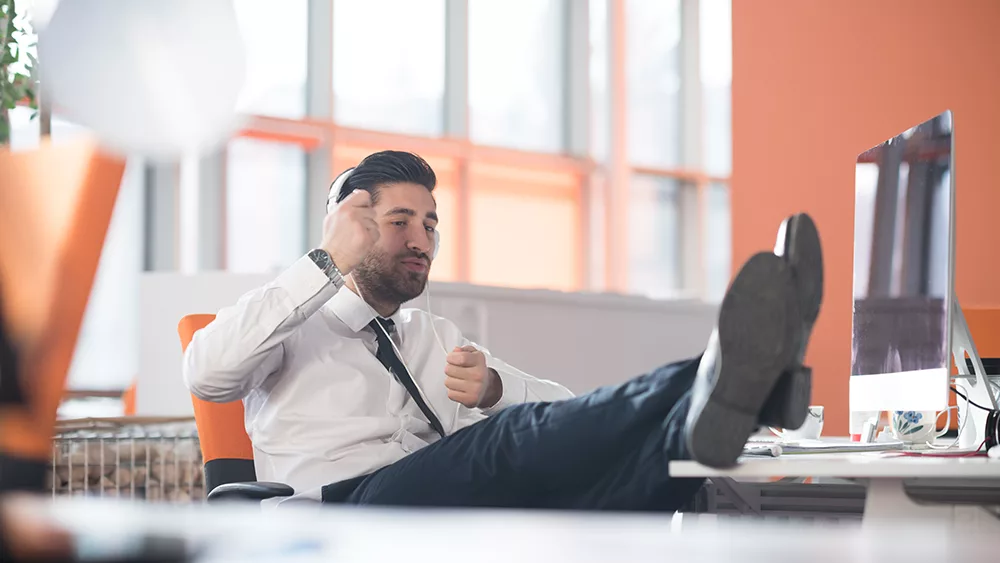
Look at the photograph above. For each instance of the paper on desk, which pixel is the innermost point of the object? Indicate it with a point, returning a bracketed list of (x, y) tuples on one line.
[(828, 447)]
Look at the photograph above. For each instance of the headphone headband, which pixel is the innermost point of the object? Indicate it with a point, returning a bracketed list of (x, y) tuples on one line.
[(335, 196)]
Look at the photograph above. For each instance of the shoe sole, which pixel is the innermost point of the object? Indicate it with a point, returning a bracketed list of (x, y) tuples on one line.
[(805, 254), (788, 405), (758, 335)]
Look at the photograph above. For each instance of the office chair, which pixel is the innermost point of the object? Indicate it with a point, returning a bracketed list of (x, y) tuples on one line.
[(225, 446)]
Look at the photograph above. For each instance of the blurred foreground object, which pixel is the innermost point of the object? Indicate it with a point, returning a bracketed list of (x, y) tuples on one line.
[(25, 536), (229, 532), (159, 79), (55, 207), (10, 384)]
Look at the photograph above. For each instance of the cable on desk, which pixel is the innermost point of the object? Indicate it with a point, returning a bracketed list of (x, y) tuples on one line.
[(962, 395), (975, 453)]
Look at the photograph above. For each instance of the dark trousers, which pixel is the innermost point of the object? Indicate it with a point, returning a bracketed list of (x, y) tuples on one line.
[(606, 450)]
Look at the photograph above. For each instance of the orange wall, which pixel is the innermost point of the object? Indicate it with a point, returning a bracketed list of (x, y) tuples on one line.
[(815, 82)]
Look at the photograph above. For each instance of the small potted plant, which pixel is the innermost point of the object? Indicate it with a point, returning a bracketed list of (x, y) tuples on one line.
[(17, 67)]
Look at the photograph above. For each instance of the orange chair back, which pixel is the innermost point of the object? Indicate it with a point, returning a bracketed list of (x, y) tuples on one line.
[(221, 429)]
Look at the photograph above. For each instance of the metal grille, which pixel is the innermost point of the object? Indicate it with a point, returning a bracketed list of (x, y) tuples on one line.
[(152, 462)]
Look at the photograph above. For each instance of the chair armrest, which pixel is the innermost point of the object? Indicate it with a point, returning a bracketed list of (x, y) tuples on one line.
[(251, 490)]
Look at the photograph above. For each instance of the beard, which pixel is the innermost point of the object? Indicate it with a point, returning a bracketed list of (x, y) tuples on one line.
[(385, 280)]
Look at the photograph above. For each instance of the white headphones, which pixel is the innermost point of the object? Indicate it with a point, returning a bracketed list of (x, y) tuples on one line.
[(335, 196)]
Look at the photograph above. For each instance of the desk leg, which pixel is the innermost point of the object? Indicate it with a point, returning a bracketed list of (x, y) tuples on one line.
[(887, 501), (731, 489)]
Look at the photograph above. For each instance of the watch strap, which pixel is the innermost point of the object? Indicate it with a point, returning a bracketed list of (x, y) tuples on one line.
[(325, 263)]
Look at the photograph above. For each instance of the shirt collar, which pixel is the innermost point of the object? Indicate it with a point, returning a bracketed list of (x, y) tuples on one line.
[(353, 311)]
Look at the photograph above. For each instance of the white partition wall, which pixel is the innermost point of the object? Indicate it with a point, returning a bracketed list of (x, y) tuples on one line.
[(581, 340)]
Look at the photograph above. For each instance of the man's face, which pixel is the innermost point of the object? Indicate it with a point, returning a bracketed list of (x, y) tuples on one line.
[(396, 269)]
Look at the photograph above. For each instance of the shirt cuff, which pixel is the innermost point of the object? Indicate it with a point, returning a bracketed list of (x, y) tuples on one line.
[(307, 286), (515, 392)]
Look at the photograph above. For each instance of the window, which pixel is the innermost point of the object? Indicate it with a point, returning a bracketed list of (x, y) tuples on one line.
[(265, 205), (524, 227), (600, 109), (388, 65), (716, 57), (716, 52), (654, 222), (717, 239), (655, 235), (516, 70), (107, 349), (275, 37), (653, 71)]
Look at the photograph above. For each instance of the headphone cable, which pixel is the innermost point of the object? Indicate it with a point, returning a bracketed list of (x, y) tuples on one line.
[(962, 395)]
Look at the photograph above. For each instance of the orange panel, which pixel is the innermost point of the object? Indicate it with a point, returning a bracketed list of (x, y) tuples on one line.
[(221, 429), (128, 400), (984, 325), (307, 143), (55, 207), (808, 97), (528, 218)]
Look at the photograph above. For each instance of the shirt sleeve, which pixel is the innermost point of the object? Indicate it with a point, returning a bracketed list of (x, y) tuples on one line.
[(518, 386), (243, 345)]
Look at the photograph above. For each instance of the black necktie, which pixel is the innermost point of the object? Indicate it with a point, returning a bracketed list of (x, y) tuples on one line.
[(387, 355)]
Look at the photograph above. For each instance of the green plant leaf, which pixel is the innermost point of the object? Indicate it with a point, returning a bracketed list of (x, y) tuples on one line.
[(16, 43)]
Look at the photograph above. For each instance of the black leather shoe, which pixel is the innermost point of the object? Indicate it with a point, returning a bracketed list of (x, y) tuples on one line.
[(758, 338), (798, 243)]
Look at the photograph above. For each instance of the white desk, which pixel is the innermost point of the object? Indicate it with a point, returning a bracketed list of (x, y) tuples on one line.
[(884, 473), (349, 534)]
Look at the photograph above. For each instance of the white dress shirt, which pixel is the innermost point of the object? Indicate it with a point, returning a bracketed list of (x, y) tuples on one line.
[(319, 406)]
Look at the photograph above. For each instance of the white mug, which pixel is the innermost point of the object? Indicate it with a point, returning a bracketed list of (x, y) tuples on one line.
[(917, 427), (811, 429)]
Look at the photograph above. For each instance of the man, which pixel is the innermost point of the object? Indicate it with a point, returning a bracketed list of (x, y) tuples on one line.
[(351, 399)]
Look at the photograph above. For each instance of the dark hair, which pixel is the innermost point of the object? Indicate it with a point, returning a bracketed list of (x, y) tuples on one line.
[(386, 168)]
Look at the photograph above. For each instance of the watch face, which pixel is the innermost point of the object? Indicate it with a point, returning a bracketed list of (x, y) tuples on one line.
[(321, 258)]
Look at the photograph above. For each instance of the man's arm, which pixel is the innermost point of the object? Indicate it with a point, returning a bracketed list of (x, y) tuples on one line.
[(476, 379), (519, 387), (243, 345)]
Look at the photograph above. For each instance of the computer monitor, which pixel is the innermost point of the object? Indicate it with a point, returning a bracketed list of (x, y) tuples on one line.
[(904, 223)]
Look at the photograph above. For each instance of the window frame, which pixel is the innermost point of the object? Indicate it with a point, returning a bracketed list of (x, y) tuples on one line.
[(603, 187)]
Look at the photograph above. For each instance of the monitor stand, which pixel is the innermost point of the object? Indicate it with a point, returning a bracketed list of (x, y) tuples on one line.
[(977, 387)]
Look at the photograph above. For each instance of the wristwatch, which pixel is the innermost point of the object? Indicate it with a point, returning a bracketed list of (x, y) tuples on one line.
[(325, 263)]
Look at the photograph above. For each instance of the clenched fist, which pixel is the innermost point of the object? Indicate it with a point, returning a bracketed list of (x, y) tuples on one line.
[(469, 381), (350, 231)]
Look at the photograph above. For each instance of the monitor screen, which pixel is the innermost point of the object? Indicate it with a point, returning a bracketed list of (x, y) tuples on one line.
[(903, 260)]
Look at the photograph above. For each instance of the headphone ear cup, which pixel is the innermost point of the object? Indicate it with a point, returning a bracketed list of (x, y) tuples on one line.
[(334, 195), (437, 243)]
